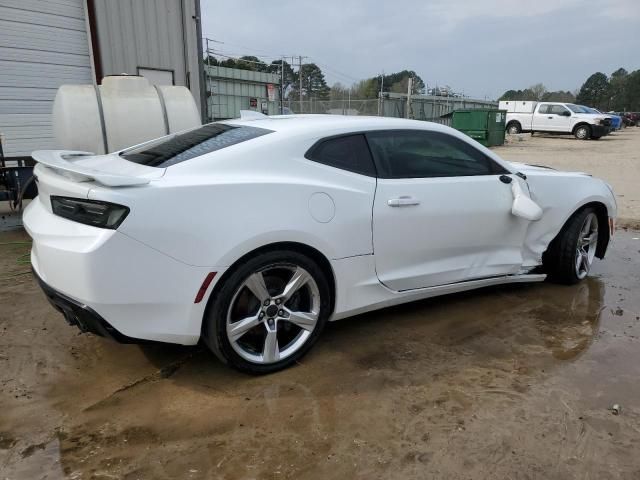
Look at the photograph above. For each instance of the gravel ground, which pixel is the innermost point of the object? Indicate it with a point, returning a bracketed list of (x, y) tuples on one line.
[(614, 158)]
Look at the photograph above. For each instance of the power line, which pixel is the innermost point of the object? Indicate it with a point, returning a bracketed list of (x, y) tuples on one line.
[(336, 72), (274, 57), (217, 54), (264, 53)]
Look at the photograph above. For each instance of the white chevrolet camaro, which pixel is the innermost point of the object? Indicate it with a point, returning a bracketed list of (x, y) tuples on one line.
[(251, 234)]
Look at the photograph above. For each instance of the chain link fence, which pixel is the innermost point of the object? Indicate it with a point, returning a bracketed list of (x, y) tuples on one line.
[(423, 107)]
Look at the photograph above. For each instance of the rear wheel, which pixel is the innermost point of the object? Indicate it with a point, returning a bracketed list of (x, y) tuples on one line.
[(514, 128), (582, 132), (571, 254), (269, 312)]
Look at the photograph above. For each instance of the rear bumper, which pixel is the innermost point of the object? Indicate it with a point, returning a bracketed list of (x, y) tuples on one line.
[(78, 315), (110, 284)]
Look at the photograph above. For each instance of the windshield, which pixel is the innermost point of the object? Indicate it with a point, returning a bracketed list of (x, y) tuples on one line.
[(177, 148), (576, 108)]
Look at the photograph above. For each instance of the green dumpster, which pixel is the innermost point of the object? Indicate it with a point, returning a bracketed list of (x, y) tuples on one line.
[(485, 125)]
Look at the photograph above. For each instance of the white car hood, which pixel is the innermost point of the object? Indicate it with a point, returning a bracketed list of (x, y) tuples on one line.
[(590, 116), (542, 170)]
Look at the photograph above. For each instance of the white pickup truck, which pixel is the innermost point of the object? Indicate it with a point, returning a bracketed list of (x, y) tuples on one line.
[(554, 117)]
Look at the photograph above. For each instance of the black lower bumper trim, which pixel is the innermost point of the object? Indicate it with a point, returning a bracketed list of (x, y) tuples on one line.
[(599, 130), (82, 316)]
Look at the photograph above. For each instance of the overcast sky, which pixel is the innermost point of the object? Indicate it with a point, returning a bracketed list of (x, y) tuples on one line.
[(479, 47)]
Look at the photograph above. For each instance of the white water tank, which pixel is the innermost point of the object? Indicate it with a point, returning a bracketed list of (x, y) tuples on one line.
[(125, 110)]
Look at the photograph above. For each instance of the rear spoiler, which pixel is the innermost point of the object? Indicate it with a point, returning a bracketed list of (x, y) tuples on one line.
[(68, 161)]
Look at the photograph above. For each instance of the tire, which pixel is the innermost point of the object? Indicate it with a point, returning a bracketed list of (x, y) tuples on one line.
[(570, 255), (582, 132), (267, 339), (514, 128)]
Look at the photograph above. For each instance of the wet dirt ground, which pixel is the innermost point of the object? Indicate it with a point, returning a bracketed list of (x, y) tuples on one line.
[(511, 382)]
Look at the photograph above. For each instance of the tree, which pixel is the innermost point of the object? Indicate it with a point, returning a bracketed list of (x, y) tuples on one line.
[(249, 62), (398, 82), (632, 92), (538, 90), (512, 95), (279, 67), (618, 90), (595, 91), (395, 82), (559, 96), (368, 88), (313, 83), (338, 91), (535, 93), (228, 62), (210, 60)]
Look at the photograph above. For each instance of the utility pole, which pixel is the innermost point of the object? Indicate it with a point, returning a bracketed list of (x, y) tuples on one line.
[(300, 78), (410, 85), (208, 74), (380, 100), (208, 84), (282, 86)]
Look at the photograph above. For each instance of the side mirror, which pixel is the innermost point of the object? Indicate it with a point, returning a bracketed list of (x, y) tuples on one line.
[(523, 206), (566, 113)]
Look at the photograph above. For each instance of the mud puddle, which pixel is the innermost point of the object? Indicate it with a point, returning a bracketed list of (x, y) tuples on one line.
[(510, 382)]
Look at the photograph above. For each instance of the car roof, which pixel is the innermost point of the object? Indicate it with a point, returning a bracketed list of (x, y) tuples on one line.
[(318, 123)]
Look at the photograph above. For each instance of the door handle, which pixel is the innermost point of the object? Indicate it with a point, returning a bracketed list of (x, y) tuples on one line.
[(404, 201), (550, 118)]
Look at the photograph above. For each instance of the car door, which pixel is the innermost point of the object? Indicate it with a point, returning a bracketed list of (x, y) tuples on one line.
[(542, 119), (560, 118), (442, 212)]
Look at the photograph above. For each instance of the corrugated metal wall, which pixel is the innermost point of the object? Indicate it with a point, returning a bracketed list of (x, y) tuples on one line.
[(230, 90), (43, 44), (149, 34)]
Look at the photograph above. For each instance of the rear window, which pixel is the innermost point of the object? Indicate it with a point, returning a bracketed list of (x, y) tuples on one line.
[(191, 144), (349, 152)]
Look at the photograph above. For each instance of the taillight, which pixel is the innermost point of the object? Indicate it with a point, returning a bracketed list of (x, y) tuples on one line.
[(90, 212)]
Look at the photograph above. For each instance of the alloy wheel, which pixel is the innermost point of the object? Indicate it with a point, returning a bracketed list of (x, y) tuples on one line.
[(587, 244), (582, 133), (273, 313)]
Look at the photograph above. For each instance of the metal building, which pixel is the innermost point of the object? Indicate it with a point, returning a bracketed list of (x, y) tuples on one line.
[(45, 44), (230, 90)]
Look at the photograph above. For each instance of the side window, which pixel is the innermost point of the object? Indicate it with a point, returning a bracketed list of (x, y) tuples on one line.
[(424, 154), (557, 109), (544, 109), (347, 153)]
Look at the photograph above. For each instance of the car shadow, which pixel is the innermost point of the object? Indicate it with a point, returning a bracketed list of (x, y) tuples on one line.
[(485, 325)]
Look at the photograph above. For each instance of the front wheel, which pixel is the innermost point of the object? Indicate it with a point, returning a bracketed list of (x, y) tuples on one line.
[(583, 132), (268, 313), (570, 256)]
